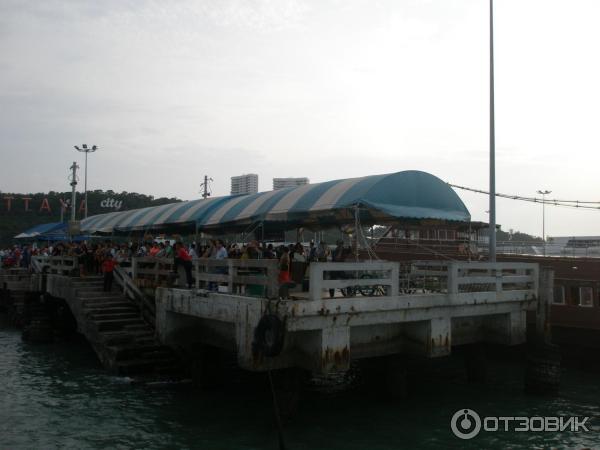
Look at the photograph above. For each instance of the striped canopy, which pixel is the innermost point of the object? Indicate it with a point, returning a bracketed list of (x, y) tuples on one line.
[(377, 198), (42, 230)]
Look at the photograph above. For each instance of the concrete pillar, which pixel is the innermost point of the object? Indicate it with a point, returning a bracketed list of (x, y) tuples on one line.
[(431, 338), (441, 337), (247, 319), (335, 349), (518, 327), (542, 374), (545, 297)]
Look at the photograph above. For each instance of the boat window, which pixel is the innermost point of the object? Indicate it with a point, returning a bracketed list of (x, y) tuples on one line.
[(559, 295), (586, 296)]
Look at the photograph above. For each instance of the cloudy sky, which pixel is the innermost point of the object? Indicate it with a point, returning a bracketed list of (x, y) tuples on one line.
[(326, 89)]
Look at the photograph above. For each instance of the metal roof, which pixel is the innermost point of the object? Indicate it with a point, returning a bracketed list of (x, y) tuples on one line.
[(380, 198)]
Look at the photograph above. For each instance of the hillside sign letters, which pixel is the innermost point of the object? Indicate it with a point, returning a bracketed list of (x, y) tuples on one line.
[(10, 203)]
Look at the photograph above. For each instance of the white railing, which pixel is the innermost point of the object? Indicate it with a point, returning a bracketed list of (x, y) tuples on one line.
[(460, 280), (457, 277), (371, 278), (240, 275), (251, 276), (38, 263), (59, 265), (130, 290), (150, 272)]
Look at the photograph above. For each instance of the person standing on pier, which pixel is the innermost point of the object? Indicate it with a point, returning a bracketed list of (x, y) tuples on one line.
[(183, 257), (108, 266)]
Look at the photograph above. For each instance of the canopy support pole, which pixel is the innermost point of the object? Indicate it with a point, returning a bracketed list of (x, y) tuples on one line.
[(356, 243)]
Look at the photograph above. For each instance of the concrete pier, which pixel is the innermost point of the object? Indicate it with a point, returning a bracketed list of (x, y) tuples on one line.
[(377, 311), (477, 302)]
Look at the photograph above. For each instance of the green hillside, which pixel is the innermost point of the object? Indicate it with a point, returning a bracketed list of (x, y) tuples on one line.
[(19, 212)]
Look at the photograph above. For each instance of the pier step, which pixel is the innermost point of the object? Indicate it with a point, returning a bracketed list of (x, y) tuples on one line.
[(117, 324), (109, 309), (122, 339), (92, 294), (89, 282), (107, 303), (101, 316)]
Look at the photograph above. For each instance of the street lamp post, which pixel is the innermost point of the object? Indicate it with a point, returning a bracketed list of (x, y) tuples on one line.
[(544, 193), (85, 149), (492, 199)]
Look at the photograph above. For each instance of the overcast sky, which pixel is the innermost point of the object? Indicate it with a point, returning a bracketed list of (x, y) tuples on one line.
[(328, 89)]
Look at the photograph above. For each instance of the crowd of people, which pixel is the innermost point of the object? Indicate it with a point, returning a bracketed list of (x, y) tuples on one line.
[(101, 257)]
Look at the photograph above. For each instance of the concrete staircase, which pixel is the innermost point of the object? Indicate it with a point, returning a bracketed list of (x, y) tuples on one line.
[(124, 342)]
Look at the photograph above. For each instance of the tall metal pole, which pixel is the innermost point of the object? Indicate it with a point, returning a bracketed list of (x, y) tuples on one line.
[(544, 192), (85, 149), (544, 221), (356, 244), (74, 168), (85, 186), (492, 241)]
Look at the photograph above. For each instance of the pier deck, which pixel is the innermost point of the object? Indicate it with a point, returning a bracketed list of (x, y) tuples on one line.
[(377, 308), (426, 312)]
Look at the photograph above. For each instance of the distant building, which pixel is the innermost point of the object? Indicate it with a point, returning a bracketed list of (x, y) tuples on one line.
[(244, 184), (280, 183)]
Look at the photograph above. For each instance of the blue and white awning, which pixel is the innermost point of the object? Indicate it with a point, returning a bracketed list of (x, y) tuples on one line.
[(42, 230), (400, 195)]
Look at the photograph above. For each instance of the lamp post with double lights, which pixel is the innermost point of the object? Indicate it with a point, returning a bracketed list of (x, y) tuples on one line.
[(543, 194), (85, 149)]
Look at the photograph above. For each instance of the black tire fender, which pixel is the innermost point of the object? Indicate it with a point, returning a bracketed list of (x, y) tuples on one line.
[(269, 336)]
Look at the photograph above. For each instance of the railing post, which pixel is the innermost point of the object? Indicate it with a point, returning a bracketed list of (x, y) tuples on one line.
[(230, 275), (452, 280), (134, 267), (316, 280), (535, 273), (395, 281), (498, 273), (272, 280)]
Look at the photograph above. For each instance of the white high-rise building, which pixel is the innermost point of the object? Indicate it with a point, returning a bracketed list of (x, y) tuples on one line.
[(244, 184), (280, 183)]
